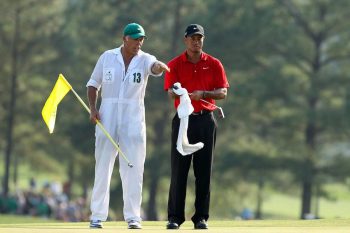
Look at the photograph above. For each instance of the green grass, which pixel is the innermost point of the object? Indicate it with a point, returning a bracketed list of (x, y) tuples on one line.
[(262, 226), (18, 219), (281, 206)]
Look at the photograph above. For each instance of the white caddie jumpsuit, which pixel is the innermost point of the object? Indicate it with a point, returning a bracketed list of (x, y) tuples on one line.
[(122, 113)]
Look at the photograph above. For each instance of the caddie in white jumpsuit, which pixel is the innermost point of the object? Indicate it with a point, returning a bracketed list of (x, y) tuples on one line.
[(122, 75)]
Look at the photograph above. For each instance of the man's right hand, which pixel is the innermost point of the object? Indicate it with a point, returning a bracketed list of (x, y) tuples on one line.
[(92, 94), (94, 115)]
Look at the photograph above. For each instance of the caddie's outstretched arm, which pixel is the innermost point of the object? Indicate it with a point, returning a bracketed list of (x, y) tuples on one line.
[(158, 67)]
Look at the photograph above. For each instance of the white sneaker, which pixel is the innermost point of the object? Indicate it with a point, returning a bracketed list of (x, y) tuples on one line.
[(133, 224), (95, 224)]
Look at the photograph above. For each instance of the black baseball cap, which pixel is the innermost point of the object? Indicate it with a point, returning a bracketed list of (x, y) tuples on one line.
[(194, 29)]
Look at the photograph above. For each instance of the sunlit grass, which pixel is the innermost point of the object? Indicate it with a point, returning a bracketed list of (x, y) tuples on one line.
[(253, 226), (279, 206), (20, 219)]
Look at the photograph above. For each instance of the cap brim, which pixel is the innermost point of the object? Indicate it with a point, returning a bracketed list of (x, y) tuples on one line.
[(138, 35), (195, 33)]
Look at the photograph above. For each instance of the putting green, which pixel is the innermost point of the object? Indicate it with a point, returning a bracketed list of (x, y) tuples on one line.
[(260, 226)]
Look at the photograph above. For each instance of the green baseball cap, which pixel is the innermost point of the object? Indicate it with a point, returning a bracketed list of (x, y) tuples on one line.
[(134, 30)]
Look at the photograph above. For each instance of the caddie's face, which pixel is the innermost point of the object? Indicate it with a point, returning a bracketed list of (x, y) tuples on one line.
[(194, 43), (133, 45)]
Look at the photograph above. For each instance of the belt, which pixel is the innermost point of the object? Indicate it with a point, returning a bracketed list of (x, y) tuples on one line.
[(201, 112)]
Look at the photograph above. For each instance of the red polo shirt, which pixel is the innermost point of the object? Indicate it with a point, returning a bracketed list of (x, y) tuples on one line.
[(208, 74)]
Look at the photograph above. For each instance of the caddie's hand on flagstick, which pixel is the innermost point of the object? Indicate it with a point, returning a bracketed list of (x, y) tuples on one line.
[(49, 111), (94, 115)]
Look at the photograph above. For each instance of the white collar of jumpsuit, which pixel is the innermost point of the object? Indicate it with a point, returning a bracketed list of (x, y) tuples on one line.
[(134, 61), (184, 109), (117, 51)]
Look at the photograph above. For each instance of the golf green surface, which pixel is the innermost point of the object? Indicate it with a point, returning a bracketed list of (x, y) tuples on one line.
[(252, 226)]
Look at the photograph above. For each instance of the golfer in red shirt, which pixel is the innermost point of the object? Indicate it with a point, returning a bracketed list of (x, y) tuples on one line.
[(204, 78)]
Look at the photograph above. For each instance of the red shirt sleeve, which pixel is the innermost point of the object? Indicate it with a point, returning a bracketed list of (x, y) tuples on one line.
[(220, 79)]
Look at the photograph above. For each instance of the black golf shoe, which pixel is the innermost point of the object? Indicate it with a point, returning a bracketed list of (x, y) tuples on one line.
[(172, 225), (202, 224)]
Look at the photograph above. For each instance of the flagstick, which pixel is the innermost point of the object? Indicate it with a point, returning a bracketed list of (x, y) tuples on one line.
[(103, 129)]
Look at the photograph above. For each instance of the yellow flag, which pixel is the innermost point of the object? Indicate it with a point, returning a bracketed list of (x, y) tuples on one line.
[(61, 88)]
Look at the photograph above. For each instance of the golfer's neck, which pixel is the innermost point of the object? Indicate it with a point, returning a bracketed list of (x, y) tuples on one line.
[(193, 57)]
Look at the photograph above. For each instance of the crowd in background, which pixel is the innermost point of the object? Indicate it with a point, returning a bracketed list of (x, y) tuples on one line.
[(50, 201)]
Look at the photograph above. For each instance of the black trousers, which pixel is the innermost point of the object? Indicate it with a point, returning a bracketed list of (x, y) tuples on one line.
[(201, 128)]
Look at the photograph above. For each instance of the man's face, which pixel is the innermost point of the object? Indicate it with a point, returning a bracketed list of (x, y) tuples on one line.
[(194, 43), (133, 45)]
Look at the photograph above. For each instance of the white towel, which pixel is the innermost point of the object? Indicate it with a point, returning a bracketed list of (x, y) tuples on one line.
[(184, 109)]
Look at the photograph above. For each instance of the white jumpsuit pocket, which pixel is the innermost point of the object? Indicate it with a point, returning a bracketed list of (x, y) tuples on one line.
[(108, 75)]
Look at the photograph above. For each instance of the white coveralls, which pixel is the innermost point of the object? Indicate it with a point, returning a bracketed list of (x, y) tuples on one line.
[(122, 113)]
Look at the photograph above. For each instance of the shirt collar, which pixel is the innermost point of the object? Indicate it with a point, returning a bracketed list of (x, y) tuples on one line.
[(116, 51), (204, 56)]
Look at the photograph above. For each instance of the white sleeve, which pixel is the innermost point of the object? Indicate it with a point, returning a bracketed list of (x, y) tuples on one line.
[(97, 74), (150, 61)]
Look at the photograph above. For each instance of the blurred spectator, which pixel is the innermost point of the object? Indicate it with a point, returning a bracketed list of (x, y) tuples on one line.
[(32, 184), (42, 209), (247, 214), (8, 204), (56, 188), (51, 202), (67, 188)]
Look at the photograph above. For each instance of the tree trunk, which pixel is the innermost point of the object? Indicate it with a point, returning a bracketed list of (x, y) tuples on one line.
[(67, 186), (12, 105), (152, 213), (259, 201), (176, 28), (306, 199), (317, 202), (308, 170), (317, 37)]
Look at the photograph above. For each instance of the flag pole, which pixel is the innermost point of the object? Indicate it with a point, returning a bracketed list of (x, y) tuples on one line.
[(103, 129)]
